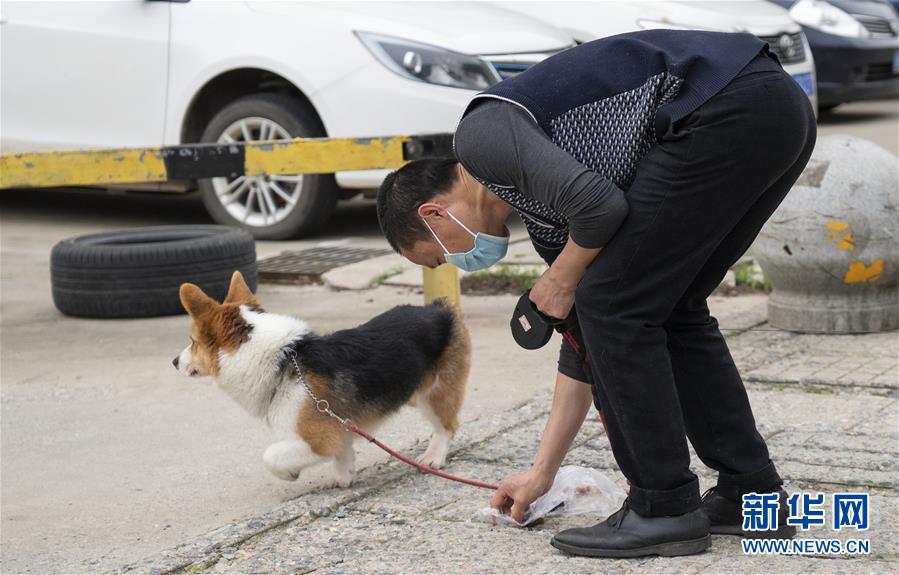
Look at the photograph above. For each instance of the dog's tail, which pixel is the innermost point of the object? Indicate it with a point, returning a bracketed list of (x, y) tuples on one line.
[(453, 314)]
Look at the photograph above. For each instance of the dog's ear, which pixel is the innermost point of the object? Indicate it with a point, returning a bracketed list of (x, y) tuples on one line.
[(195, 301), (239, 291)]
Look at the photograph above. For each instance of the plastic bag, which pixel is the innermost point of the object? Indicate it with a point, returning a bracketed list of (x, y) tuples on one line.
[(575, 490)]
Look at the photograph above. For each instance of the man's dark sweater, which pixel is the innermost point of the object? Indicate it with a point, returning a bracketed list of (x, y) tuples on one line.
[(562, 141)]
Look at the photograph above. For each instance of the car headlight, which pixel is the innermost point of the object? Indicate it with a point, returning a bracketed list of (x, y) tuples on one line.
[(827, 18), (430, 64)]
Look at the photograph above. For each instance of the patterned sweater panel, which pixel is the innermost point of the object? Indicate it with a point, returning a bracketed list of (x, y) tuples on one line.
[(608, 136), (611, 136)]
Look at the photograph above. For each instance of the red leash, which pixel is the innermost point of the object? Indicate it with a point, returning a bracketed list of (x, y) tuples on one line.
[(349, 425), (324, 407), (355, 429)]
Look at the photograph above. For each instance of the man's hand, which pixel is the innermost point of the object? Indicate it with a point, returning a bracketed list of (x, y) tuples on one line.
[(517, 492), (571, 401), (552, 296)]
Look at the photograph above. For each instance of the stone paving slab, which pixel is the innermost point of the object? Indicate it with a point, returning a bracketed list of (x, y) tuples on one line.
[(874, 422), (368, 273), (417, 496), (845, 408), (868, 360)]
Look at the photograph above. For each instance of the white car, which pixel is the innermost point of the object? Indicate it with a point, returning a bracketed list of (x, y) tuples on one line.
[(149, 73), (586, 21)]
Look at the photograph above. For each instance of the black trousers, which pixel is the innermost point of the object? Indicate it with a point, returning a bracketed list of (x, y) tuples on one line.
[(662, 371)]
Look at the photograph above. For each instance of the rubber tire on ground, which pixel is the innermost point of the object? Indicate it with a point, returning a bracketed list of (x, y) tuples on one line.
[(138, 272), (319, 194)]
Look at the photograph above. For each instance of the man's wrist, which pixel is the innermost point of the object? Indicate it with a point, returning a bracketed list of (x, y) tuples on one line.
[(544, 473), (563, 277)]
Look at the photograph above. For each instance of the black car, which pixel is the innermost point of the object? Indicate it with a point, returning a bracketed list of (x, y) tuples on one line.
[(854, 60)]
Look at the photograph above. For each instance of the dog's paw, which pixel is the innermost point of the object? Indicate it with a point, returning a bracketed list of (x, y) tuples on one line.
[(286, 459), (343, 481), (284, 474), (431, 460)]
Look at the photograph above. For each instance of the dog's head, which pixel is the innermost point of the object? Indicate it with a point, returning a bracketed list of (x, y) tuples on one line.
[(215, 327)]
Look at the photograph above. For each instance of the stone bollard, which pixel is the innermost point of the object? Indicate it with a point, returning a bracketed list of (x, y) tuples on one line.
[(831, 249)]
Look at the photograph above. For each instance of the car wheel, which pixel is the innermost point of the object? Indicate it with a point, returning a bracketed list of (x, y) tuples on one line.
[(138, 272), (273, 207)]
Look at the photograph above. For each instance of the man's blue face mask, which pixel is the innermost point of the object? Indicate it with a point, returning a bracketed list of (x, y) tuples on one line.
[(487, 249)]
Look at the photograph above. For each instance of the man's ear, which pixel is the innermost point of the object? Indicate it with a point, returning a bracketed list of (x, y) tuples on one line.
[(239, 291), (195, 301), (431, 209)]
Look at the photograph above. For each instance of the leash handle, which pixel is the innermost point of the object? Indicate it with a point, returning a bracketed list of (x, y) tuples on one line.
[(355, 429)]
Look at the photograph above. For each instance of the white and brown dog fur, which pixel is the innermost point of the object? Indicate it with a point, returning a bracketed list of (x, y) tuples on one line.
[(417, 355)]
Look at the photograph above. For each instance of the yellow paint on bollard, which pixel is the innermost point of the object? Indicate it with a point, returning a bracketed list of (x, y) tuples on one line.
[(841, 234), (442, 282), (859, 272), (846, 242), (836, 227)]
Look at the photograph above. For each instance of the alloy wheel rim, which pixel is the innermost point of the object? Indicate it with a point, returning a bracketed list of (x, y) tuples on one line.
[(257, 201)]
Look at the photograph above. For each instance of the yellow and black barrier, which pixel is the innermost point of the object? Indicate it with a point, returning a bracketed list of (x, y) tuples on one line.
[(194, 161)]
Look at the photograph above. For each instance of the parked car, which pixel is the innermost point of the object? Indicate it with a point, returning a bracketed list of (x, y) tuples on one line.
[(145, 73), (586, 21), (856, 48)]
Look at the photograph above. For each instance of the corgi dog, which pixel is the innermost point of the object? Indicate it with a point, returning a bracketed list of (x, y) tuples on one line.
[(416, 355)]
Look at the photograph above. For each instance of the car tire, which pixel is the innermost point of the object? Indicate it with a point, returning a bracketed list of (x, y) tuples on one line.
[(315, 196), (138, 272)]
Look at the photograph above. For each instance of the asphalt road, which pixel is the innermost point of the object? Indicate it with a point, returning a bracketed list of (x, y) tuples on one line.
[(109, 455), (876, 121)]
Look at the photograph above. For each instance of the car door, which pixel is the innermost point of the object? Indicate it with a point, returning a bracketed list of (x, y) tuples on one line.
[(82, 74)]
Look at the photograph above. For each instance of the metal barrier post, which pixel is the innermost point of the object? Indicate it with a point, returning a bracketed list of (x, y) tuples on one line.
[(442, 282)]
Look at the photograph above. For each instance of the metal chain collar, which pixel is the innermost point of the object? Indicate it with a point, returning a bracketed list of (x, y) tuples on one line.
[(321, 405)]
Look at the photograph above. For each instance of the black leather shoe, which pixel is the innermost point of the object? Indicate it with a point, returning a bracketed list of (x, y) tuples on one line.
[(626, 534), (726, 517)]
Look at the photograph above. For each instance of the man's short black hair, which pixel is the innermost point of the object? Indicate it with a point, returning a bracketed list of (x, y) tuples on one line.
[(403, 191)]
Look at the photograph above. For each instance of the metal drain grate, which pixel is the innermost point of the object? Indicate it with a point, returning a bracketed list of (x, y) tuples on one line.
[(307, 266)]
